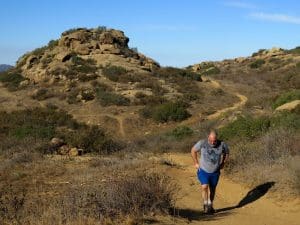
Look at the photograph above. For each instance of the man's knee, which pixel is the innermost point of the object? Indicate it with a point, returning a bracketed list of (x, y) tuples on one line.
[(204, 187)]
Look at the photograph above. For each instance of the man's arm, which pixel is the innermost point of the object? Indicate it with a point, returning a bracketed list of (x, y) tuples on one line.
[(194, 154), (225, 157)]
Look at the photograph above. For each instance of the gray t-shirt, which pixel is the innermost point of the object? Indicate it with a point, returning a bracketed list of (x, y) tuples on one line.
[(210, 156)]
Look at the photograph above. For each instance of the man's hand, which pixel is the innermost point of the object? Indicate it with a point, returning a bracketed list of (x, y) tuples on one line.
[(222, 165), (197, 166)]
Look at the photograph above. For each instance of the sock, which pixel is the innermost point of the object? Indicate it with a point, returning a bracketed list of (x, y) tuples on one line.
[(209, 202), (205, 202)]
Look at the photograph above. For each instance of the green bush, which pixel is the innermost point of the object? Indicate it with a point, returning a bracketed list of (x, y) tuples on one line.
[(246, 127), (181, 132), (286, 97), (52, 44), (42, 94), (113, 72), (11, 79), (154, 85), (107, 98), (257, 64), (259, 52), (295, 51), (289, 120), (250, 128), (169, 111), (173, 73), (45, 123)]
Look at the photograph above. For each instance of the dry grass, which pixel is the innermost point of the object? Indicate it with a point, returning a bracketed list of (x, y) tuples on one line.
[(119, 189), (272, 157)]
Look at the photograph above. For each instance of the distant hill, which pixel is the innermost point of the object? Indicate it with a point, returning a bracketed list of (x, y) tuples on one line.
[(4, 67)]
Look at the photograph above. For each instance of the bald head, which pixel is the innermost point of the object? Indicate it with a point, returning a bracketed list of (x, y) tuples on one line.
[(212, 137)]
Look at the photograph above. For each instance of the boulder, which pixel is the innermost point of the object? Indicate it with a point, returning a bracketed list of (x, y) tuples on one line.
[(290, 106), (56, 142)]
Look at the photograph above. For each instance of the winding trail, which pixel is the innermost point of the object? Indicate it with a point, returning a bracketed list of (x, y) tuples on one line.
[(215, 84), (255, 208)]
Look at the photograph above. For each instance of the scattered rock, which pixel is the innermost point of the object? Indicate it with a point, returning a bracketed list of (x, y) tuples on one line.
[(63, 150), (56, 142)]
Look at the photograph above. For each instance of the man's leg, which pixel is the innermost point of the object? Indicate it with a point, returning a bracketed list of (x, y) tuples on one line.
[(205, 197), (213, 182), (202, 176)]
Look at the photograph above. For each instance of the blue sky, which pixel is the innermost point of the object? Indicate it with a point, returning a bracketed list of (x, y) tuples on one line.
[(173, 32)]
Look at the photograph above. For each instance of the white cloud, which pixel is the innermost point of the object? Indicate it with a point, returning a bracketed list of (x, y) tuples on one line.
[(274, 17), (240, 4)]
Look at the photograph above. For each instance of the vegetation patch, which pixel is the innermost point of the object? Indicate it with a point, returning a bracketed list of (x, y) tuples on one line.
[(257, 64), (11, 79), (113, 73), (181, 132), (286, 97), (107, 98), (249, 127), (176, 73), (46, 123), (169, 111)]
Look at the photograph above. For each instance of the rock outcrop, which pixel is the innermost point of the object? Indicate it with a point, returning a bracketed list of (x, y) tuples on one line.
[(104, 46)]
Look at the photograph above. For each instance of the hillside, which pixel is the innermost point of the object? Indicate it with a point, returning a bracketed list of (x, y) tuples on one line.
[(93, 132), (93, 75)]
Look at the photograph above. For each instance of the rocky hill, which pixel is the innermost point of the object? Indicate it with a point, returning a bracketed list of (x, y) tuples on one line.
[(93, 75), (98, 46)]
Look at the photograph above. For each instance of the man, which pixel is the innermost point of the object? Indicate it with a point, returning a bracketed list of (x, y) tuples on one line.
[(213, 156)]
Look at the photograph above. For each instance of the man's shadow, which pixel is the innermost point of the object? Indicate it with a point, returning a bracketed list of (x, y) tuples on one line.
[(250, 197)]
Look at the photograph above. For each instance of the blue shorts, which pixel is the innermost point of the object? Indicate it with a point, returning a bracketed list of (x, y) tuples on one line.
[(208, 178)]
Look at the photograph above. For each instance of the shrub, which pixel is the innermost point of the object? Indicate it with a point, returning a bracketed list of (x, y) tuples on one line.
[(295, 51), (188, 97), (107, 98), (154, 85), (43, 124), (42, 94), (173, 73), (113, 72), (128, 196), (259, 52), (144, 99), (245, 126), (286, 97), (211, 71), (257, 64), (286, 119), (249, 127), (181, 132), (52, 44), (169, 111), (11, 79)]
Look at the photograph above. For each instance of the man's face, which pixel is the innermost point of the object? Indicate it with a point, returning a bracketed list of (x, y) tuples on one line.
[(212, 139)]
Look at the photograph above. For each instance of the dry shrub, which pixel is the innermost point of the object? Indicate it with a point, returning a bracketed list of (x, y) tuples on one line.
[(268, 158), (126, 197)]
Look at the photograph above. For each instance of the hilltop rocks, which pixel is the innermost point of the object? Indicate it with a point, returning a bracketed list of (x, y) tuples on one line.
[(101, 45), (84, 41)]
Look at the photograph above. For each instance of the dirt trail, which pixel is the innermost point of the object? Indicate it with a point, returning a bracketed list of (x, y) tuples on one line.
[(215, 84), (256, 208), (235, 204)]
